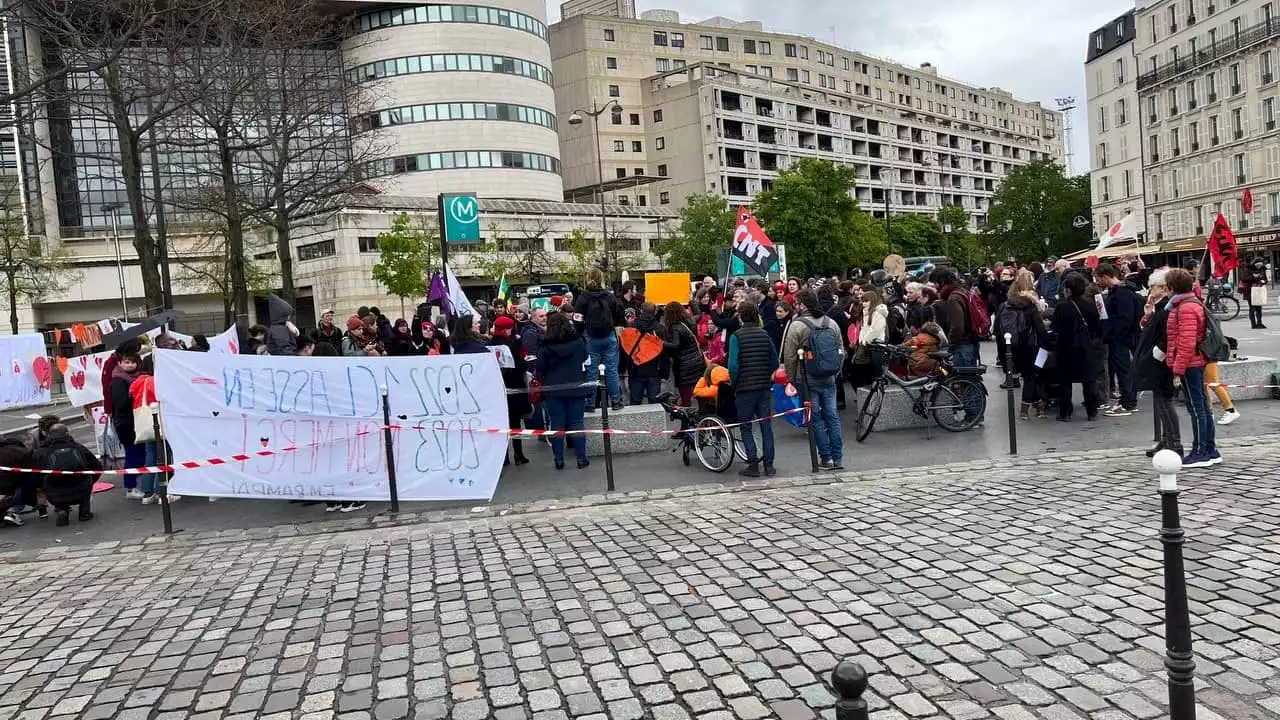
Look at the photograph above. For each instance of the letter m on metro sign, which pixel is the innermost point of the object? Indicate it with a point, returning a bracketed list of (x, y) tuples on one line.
[(751, 245)]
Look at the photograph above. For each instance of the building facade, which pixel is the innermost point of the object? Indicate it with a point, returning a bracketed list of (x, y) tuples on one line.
[(598, 60), (1208, 95), (616, 8), (1115, 125)]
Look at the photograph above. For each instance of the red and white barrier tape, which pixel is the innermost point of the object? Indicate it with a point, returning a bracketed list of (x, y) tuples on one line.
[(1244, 387), (245, 457)]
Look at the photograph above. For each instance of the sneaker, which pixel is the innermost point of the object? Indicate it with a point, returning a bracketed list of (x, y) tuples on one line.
[(64, 518), (173, 498), (614, 407), (42, 511), (825, 465), (1118, 411), (84, 516), (837, 464), (770, 471), (333, 507), (135, 494), (352, 507), (750, 471), (1215, 458), (13, 518), (150, 499), (1229, 417), (1192, 462)]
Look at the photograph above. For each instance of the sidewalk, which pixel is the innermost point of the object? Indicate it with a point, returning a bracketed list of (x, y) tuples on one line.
[(21, 420), (1029, 591)]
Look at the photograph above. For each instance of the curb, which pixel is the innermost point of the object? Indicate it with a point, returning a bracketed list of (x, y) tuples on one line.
[(925, 473)]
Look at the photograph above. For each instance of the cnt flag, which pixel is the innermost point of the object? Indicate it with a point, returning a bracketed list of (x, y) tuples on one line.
[(503, 287), (1222, 247), (751, 245)]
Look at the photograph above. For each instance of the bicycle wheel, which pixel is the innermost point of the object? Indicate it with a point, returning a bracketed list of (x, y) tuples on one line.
[(1225, 308), (714, 444), (870, 411), (958, 405)]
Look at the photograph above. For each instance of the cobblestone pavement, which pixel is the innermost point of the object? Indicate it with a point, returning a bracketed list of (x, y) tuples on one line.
[(1030, 592)]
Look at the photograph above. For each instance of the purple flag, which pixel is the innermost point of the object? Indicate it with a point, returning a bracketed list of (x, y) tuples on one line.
[(437, 293)]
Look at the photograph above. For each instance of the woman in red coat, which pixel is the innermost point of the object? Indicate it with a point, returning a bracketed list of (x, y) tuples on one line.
[(1186, 328)]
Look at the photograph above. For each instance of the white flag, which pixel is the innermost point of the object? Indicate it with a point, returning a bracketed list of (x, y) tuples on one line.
[(457, 299), (1123, 229)]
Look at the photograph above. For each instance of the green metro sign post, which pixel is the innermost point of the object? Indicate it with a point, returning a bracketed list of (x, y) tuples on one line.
[(459, 222)]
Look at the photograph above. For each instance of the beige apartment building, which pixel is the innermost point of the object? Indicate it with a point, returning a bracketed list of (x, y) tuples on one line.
[(1207, 87), (922, 125), (616, 8), (1115, 128)]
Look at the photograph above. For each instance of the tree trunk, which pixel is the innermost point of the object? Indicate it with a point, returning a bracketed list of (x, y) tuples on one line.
[(131, 174), (13, 304), (281, 222), (235, 228)]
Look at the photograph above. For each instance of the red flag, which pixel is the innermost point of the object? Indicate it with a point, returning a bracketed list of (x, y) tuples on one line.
[(1246, 201), (1091, 262), (1222, 247), (751, 245)]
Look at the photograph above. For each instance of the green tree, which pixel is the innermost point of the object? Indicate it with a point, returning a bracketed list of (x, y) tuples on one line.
[(1032, 210), (706, 225), (917, 235), (958, 243), (405, 257), (811, 210), (491, 256), (581, 256)]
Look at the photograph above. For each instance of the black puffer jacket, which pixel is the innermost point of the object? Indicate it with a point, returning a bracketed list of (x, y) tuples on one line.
[(1150, 373), (64, 453), (688, 364)]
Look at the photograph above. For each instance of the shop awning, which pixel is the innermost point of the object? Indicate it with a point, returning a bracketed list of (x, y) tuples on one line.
[(1112, 251)]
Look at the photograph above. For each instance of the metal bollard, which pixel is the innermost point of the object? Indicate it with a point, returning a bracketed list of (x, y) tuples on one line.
[(1177, 619), (389, 444), (850, 681), (604, 425), (1011, 384), (162, 458), (808, 406)]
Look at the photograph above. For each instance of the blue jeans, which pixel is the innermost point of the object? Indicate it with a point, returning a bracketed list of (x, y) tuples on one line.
[(826, 422), (604, 350), (1120, 360), (1202, 429), (644, 389), (566, 414), (755, 405), (135, 455), (148, 481), (966, 355)]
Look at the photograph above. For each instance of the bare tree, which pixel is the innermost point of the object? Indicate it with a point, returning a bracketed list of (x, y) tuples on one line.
[(621, 254), (30, 271), (532, 261), (203, 261)]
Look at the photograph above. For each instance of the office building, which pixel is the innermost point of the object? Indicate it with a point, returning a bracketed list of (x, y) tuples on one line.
[(1115, 126), (1207, 88), (615, 8), (923, 125)]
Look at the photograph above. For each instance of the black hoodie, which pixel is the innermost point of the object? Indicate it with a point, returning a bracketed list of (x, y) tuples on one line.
[(1123, 325)]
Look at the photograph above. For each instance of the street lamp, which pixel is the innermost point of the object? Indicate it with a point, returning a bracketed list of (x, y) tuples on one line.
[(575, 119), (114, 209)]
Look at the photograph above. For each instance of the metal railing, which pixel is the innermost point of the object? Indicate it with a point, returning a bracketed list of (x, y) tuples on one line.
[(1249, 36)]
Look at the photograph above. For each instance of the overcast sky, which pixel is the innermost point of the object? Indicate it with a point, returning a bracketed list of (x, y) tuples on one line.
[(1034, 48)]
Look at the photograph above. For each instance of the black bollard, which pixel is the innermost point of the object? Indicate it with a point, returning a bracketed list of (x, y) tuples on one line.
[(849, 681), (1011, 384), (808, 415), (162, 458), (1178, 661), (389, 443), (603, 404)]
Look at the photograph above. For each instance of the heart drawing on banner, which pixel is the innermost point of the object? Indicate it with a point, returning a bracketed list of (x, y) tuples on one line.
[(265, 441), (215, 413), (77, 379)]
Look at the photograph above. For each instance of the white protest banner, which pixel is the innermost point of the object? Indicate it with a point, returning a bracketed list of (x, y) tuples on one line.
[(330, 409), (225, 343), (83, 378), (19, 386)]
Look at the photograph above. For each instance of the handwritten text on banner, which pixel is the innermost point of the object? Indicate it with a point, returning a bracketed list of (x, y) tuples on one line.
[(330, 409)]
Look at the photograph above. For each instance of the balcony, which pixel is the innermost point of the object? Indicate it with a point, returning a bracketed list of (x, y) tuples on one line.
[(1177, 152), (1235, 89), (1271, 124), (1173, 110), (1199, 229), (1195, 146), (1191, 104), (1246, 38), (1155, 157), (1191, 20), (1239, 134), (1153, 118), (1216, 140), (1240, 180), (1267, 78), (1275, 219), (1213, 97), (1244, 222)]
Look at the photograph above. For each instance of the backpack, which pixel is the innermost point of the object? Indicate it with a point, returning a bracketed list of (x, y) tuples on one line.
[(825, 354), (598, 316), (896, 327), (977, 314), (1012, 321), (65, 458), (1214, 345)]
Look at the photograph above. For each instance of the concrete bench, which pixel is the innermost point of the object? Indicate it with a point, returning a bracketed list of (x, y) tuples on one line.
[(1249, 370)]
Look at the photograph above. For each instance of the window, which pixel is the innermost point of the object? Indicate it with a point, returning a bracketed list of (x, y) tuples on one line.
[(1214, 135), (659, 38), (448, 63), (662, 170), (766, 47), (1193, 135), (753, 69), (1175, 141), (789, 50), (1242, 169), (368, 244), (1192, 99), (1264, 66), (642, 201), (706, 42), (664, 198), (793, 75), (1102, 155), (766, 71), (1237, 123), (1211, 86), (316, 250), (637, 146), (1173, 101), (1119, 71), (608, 34), (611, 63), (677, 63), (1269, 113), (1273, 200), (620, 173), (677, 40), (662, 64), (624, 200), (1127, 179), (635, 118), (1122, 115), (1102, 119), (805, 78), (660, 143), (657, 116), (1234, 75), (804, 52), (615, 118), (619, 145), (722, 44), (749, 47), (615, 91), (1153, 109), (1153, 145), (638, 172)]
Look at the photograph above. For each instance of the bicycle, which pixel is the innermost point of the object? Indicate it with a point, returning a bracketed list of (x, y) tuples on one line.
[(1222, 302), (953, 397), (705, 434)]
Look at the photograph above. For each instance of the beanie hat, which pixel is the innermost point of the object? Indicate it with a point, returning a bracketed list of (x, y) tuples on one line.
[(354, 323), (503, 325)]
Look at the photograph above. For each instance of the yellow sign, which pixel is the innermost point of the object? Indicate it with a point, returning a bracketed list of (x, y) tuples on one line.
[(661, 288)]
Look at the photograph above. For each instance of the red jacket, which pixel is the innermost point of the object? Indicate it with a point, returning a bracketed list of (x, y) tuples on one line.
[(1185, 330)]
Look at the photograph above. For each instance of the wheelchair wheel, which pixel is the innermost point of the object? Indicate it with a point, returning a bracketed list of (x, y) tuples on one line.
[(739, 447), (714, 444)]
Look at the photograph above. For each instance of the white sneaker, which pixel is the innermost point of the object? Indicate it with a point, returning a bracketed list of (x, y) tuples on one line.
[(150, 499), (135, 494), (173, 498), (1229, 417)]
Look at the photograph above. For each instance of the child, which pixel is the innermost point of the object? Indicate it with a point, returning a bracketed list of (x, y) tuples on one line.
[(135, 455), (930, 339)]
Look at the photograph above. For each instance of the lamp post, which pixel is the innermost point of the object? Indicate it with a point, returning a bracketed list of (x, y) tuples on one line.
[(888, 230), (114, 209), (575, 119)]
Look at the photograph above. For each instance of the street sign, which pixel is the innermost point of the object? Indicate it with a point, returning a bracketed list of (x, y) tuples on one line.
[(461, 215)]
